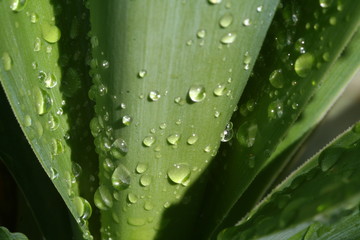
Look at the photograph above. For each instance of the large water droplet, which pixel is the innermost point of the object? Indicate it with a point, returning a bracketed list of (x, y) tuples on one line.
[(132, 198), (145, 180), (329, 157), (103, 198), (149, 141), (83, 207), (276, 78), (197, 93), (246, 134), (47, 80), (179, 173), (119, 148), (141, 168), (226, 20), (304, 64), (173, 139), (43, 101), (7, 61), (228, 38), (18, 5), (121, 178), (275, 109), (50, 33), (228, 133)]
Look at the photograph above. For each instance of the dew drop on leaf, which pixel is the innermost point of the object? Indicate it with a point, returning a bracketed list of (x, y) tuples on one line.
[(120, 179), (304, 64), (226, 20), (145, 180), (246, 134), (142, 73), (219, 90), (148, 206), (103, 198), (53, 122), (154, 95), (34, 18), (50, 33), (7, 61), (201, 33), (228, 38), (192, 139), (136, 221), (141, 168), (149, 141), (57, 146), (275, 109), (119, 148), (43, 101), (173, 139), (329, 157), (83, 207), (132, 198), (276, 78), (27, 121), (197, 93), (17, 5), (108, 165), (228, 133), (126, 120), (214, 1), (246, 22), (325, 3), (179, 173)]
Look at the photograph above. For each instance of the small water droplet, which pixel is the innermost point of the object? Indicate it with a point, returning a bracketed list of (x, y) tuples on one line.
[(148, 141), (276, 78), (201, 33), (179, 173), (163, 126), (259, 9), (275, 109), (207, 149), (119, 148), (132, 198), (179, 100), (83, 207), (142, 73), (105, 64), (120, 179), (141, 168), (304, 64), (53, 174), (226, 20), (332, 20), (53, 122), (18, 5), (197, 93), (27, 121), (246, 134), (329, 157), (326, 56), (7, 61), (173, 139), (228, 38), (220, 90), (192, 139), (43, 101), (325, 3), (126, 120), (103, 198), (246, 22), (136, 221), (217, 114), (214, 1), (50, 33), (108, 165), (47, 80), (34, 18), (154, 95), (145, 180), (228, 133), (300, 45), (148, 206), (57, 146), (76, 169)]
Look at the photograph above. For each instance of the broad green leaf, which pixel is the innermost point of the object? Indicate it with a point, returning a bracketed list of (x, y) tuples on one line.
[(6, 235), (43, 73), (302, 44), (325, 189), (336, 77), (167, 77)]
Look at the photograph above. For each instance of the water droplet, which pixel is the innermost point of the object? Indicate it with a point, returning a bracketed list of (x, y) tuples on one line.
[(259, 9), (275, 109), (173, 139), (142, 73), (134, 221), (50, 33), (207, 149), (141, 168), (27, 121), (132, 198), (179, 100), (326, 56), (53, 174), (43, 101), (228, 133), (246, 134), (154, 95), (214, 1), (34, 18), (47, 80), (145, 180), (7, 61), (105, 64), (304, 64), (217, 114), (120, 179), (226, 20), (57, 146), (179, 173), (329, 157), (162, 126), (276, 78), (108, 165), (76, 169), (228, 38), (246, 22), (119, 148), (53, 122), (197, 93), (325, 3), (300, 45), (192, 139), (201, 33), (126, 120), (148, 206), (83, 207), (148, 141), (220, 90), (18, 5), (103, 198)]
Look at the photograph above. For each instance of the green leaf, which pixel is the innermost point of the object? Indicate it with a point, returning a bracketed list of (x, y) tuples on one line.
[(322, 192), (6, 235), (165, 73), (288, 72), (44, 75)]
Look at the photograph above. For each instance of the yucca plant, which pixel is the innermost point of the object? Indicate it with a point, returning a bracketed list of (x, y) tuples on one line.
[(175, 119)]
